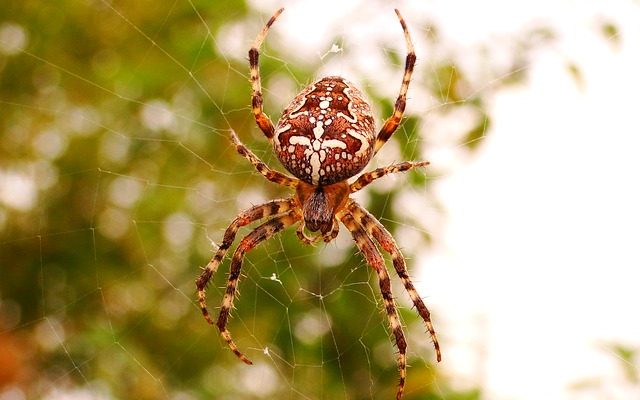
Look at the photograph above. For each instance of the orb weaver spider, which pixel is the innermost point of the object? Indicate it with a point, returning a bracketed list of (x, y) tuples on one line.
[(324, 137)]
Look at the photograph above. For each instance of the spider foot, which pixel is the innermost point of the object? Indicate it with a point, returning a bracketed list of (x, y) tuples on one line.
[(226, 335), (203, 307), (402, 367), (436, 345), (434, 340)]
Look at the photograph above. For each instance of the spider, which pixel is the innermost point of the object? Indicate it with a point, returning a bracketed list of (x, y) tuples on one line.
[(324, 137)]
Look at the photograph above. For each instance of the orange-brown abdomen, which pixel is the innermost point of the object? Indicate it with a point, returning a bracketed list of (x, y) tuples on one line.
[(326, 134)]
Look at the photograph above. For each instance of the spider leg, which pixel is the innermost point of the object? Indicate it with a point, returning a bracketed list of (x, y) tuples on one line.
[(246, 217), (385, 240), (261, 167), (374, 258), (263, 121), (392, 123), (366, 178), (257, 236)]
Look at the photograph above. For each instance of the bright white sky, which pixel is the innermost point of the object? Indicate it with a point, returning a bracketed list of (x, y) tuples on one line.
[(539, 264)]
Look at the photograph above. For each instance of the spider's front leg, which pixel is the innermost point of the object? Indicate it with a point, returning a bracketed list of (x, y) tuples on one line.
[(246, 217), (374, 258), (385, 240), (257, 236)]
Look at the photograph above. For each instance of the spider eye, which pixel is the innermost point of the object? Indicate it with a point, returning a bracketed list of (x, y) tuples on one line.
[(326, 134)]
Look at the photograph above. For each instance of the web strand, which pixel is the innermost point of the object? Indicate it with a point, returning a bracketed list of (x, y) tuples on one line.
[(150, 211)]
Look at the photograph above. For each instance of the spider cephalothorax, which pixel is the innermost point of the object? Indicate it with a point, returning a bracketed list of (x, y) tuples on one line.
[(324, 137)]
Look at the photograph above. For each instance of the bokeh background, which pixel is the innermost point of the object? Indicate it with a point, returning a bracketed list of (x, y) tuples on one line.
[(117, 180)]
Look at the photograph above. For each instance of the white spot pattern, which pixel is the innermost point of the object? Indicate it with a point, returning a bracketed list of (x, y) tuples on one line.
[(314, 151), (326, 116)]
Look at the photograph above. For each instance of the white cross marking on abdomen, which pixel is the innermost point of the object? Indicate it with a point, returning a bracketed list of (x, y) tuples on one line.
[(315, 151)]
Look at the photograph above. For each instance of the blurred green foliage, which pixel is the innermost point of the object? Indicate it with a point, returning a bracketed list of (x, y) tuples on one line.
[(114, 133), (622, 383)]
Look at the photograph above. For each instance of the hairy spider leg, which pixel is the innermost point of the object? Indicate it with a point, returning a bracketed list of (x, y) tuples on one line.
[(257, 236), (261, 167), (246, 217), (385, 240), (366, 178), (392, 123), (263, 121), (374, 258)]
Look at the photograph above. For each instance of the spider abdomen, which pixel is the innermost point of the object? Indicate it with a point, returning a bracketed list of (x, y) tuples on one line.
[(326, 134)]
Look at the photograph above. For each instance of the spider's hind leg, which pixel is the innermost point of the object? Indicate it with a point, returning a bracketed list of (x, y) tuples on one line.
[(263, 121), (392, 123)]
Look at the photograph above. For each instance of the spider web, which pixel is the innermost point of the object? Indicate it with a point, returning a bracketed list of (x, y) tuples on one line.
[(123, 181)]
